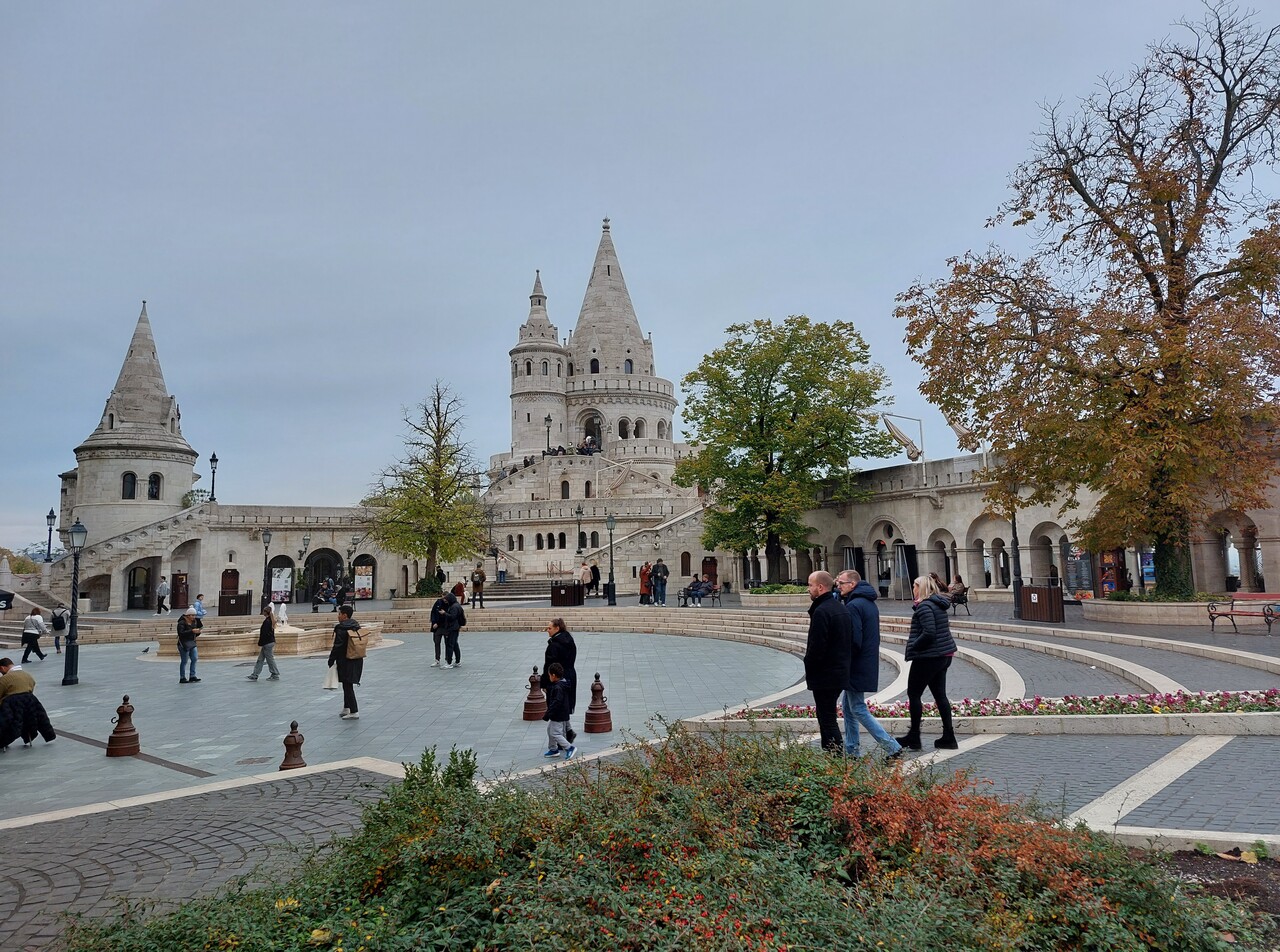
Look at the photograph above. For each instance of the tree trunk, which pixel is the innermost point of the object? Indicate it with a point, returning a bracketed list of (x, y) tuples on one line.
[(774, 558), (1173, 569)]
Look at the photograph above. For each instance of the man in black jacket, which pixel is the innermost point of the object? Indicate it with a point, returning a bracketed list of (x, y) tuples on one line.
[(826, 656), (438, 625), (454, 620)]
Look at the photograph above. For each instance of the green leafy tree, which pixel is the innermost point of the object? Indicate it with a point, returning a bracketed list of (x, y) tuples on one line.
[(25, 561), (774, 413), (1133, 350), (427, 505)]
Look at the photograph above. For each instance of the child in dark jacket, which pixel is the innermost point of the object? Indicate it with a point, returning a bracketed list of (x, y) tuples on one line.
[(559, 708)]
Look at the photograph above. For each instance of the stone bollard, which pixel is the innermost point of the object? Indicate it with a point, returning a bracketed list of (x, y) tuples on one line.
[(598, 720), (123, 741), (535, 705), (293, 749)]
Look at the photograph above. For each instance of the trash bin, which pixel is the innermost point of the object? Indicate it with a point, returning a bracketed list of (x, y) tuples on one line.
[(1042, 603)]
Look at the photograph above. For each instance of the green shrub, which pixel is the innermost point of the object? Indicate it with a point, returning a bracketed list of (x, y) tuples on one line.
[(427, 588), (777, 589), (1136, 596), (701, 843)]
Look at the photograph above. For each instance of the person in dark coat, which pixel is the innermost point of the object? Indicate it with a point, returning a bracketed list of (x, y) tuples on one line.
[(826, 656), (559, 706), (344, 594), (189, 628), (21, 713), (437, 626), (930, 648), (864, 664), (266, 647), (455, 619), (562, 650), (349, 669)]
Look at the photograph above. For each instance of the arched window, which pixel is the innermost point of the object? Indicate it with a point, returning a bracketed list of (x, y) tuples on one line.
[(571, 368), (520, 543), (564, 489), (515, 370), (582, 540), (639, 429), (684, 564), (561, 540), (544, 368), (559, 369), (111, 421), (624, 429), (551, 540), (627, 366), (153, 486), (662, 429), (528, 368), (538, 540), (511, 543), (595, 540), (588, 493), (595, 365), (128, 486)]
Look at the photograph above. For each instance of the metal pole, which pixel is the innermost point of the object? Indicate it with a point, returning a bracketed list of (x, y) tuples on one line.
[(1017, 568), (266, 582), (71, 667), (613, 592), (48, 551)]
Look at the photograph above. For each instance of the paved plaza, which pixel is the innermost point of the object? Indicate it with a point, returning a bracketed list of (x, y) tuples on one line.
[(82, 830)]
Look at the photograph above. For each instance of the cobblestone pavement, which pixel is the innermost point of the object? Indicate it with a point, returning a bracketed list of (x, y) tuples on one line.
[(169, 851)]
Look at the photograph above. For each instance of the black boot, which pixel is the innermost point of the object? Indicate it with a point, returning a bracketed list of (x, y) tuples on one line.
[(910, 741), (947, 742)]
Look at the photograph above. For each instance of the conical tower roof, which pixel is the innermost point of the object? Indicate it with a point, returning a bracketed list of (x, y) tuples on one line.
[(140, 411), (538, 326), (606, 307)]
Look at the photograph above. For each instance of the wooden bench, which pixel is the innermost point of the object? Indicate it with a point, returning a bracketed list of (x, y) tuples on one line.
[(1245, 605)]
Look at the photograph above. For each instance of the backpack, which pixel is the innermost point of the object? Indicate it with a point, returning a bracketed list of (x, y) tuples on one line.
[(357, 644), (59, 621)]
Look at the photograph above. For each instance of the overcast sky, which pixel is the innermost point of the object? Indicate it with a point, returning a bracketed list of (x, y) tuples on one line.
[(329, 205)]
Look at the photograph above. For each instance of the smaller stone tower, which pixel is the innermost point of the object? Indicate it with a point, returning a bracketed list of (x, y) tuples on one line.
[(539, 365)]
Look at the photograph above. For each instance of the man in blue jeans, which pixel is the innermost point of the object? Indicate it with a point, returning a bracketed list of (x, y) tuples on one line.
[(864, 668)]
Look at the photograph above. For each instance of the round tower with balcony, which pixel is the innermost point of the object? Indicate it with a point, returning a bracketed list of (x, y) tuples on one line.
[(539, 365)]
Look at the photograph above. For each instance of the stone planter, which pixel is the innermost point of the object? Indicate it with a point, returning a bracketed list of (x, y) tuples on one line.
[(290, 642), (751, 600), (1194, 614)]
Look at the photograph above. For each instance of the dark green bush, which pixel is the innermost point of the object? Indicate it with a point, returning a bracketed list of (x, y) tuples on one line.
[(427, 588)]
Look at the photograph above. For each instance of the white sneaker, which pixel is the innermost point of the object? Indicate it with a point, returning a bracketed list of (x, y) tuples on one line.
[(448, 664), (345, 712), (351, 717), (435, 664)]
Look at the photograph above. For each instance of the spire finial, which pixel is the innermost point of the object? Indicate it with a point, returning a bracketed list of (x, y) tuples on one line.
[(606, 222)]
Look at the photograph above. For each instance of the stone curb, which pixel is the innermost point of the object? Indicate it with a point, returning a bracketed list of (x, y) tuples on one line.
[(1247, 724)]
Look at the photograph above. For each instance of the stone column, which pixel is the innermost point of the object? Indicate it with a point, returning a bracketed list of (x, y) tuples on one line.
[(119, 599), (1208, 566)]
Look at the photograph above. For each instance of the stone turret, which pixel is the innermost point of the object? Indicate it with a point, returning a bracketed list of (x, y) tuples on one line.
[(135, 467), (539, 365)]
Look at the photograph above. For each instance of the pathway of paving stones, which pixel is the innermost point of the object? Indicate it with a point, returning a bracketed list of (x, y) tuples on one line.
[(76, 842)]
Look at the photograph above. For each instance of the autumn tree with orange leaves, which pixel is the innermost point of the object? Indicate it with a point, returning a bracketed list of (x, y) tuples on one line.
[(1133, 350)]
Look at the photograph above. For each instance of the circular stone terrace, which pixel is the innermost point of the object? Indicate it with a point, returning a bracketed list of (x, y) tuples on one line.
[(82, 829)]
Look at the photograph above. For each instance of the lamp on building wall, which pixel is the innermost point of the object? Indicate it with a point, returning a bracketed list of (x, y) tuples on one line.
[(76, 537), (50, 519), (351, 567), (213, 477), (547, 421), (266, 581), (302, 555), (611, 523), (579, 513)]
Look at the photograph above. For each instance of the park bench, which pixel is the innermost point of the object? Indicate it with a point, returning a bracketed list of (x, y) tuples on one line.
[(682, 597), (960, 598), (1245, 605)]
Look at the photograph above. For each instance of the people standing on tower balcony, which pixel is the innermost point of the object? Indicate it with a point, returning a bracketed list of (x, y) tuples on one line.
[(162, 596), (659, 577)]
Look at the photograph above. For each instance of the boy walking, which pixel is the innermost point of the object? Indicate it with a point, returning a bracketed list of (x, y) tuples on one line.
[(559, 709)]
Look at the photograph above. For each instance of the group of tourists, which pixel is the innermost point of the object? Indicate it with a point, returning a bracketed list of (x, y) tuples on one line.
[(842, 660), (34, 628)]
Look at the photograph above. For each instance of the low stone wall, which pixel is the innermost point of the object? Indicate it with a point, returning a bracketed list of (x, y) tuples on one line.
[(214, 645), (799, 600), (1153, 613)]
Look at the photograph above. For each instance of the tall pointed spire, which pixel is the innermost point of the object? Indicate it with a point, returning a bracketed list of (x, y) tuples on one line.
[(140, 387), (606, 307)]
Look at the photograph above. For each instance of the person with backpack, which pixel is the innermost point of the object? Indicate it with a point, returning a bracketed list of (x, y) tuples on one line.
[(61, 616), (477, 585), (347, 654)]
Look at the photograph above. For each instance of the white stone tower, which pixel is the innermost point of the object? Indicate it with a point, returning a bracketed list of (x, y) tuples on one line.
[(136, 466), (538, 369), (613, 392)]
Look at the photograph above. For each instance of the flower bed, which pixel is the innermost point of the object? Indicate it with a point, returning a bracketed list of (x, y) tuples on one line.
[(1203, 702)]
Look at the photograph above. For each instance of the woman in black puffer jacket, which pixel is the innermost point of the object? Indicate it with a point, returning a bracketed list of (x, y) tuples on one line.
[(930, 648)]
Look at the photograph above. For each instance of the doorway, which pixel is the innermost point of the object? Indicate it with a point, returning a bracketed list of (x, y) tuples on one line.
[(139, 587)]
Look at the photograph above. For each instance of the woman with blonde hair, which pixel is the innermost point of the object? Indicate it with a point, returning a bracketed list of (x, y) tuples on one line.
[(930, 648)]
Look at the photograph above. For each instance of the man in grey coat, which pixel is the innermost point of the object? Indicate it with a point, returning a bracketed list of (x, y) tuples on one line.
[(864, 664)]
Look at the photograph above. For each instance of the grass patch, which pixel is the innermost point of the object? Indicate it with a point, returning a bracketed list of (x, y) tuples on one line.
[(700, 843)]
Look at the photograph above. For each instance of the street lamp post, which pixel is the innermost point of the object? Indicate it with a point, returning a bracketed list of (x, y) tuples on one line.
[(547, 421), (611, 523), (50, 519), (302, 572), (266, 581), (213, 478), (351, 565), (1017, 566), (76, 537), (579, 513)]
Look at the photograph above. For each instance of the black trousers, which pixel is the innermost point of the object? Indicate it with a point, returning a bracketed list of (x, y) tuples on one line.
[(160, 605), (452, 652), (349, 697), (928, 673), (825, 702), (436, 636)]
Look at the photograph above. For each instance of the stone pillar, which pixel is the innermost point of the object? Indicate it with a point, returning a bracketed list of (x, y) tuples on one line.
[(1208, 566), (1247, 548), (119, 599)]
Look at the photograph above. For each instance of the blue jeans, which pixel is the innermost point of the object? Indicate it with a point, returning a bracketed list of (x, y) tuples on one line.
[(186, 652), (659, 591), (854, 704)]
